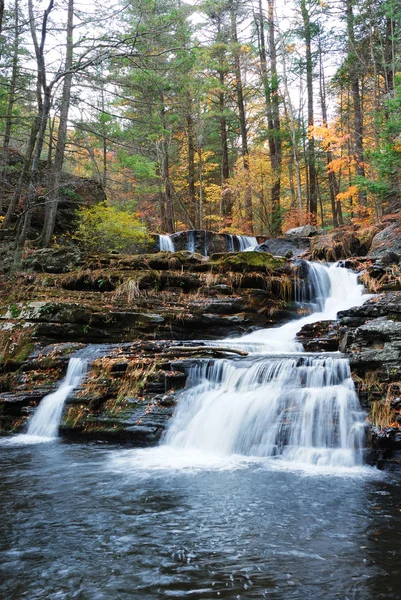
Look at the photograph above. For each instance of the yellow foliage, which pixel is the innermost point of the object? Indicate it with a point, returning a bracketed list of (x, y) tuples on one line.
[(351, 192)]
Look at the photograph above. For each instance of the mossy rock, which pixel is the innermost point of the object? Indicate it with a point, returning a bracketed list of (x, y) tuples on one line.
[(246, 262)]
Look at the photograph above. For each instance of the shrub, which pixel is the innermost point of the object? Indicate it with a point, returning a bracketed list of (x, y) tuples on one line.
[(104, 228)]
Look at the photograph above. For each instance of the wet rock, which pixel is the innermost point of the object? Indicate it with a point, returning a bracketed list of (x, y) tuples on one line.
[(288, 247), (319, 337), (49, 260), (200, 241)]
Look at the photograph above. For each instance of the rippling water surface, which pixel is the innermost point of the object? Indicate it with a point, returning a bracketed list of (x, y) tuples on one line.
[(88, 522)]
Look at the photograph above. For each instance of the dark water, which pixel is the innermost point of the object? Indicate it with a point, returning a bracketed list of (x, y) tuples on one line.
[(74, 527)]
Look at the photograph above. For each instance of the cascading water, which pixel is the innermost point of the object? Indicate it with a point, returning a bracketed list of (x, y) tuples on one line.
[(304, 408), (191, 240), (246, 242), (46, 420), (44, 424), (230, 243), (299, 408), (166, 243)]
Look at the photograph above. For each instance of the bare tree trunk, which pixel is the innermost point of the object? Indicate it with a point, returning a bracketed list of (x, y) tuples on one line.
[(290, 117), (54, 194), (356, 99), (311, 161), (168, 211), (10, 106), (44, 104), (270, 86), (1, 15), (24, 173), (333, 187), (191, 154), (277, 156), (242, 118), (227, 197)]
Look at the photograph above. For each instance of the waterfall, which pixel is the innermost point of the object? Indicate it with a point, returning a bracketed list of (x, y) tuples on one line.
[(191, 240), (246, 242), (47, 417), (328, 290), (166, 243), (300, 408), (304, 409), (230, 243), (44, 424)]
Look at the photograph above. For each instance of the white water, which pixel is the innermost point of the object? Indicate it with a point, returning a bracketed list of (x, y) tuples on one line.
[(166, 243), (246, 242), (191, 240), (43, 426), (301, 411), (303, 408), (328, 291)]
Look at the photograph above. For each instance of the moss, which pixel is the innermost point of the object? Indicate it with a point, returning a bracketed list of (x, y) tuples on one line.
[(247, 262), (23, 352), (16, 345)]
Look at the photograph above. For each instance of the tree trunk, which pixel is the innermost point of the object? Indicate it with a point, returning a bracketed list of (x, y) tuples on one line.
[(356, 99), (44, 104), (242, 119), (191, 155), (168, 211), (310, 157), (277, 157), (227, 198), (1, 15), (54, 193), (333, 187), (24, 173), (10, 106)]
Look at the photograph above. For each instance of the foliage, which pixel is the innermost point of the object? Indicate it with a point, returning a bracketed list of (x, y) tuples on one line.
[(105, 228)]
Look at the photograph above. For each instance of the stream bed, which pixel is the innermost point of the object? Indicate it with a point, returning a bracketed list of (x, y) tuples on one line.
[(90, 522)]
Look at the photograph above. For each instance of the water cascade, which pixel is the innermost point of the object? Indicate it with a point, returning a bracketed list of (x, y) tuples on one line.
[(46, 420), (166, 243), (299, 407), (303, 408), (246, 242), (191, 240), (230, 243)]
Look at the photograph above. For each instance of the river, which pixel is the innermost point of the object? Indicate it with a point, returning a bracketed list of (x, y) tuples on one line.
[(82, 522)]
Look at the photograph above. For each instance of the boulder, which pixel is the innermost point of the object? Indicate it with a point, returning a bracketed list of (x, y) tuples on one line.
[(304, 231), (285, 246), (387, 244), (342, 243)]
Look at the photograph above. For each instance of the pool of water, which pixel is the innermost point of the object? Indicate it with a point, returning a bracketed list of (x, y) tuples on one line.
[(94, 522)]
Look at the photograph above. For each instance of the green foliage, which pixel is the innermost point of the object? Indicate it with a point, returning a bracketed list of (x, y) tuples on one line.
[(141, 166), (387, 157), (69, 193), (105, 228), (14, 310)]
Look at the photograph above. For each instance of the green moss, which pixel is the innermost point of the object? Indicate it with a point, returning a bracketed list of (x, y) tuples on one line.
[(23, 352), (247, 262)]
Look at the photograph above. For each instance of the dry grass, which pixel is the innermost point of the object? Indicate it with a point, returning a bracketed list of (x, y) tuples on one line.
[(129, 290), (382, 414)]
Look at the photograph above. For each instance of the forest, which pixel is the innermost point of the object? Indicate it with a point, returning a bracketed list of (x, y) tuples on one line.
[(228, 115)]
